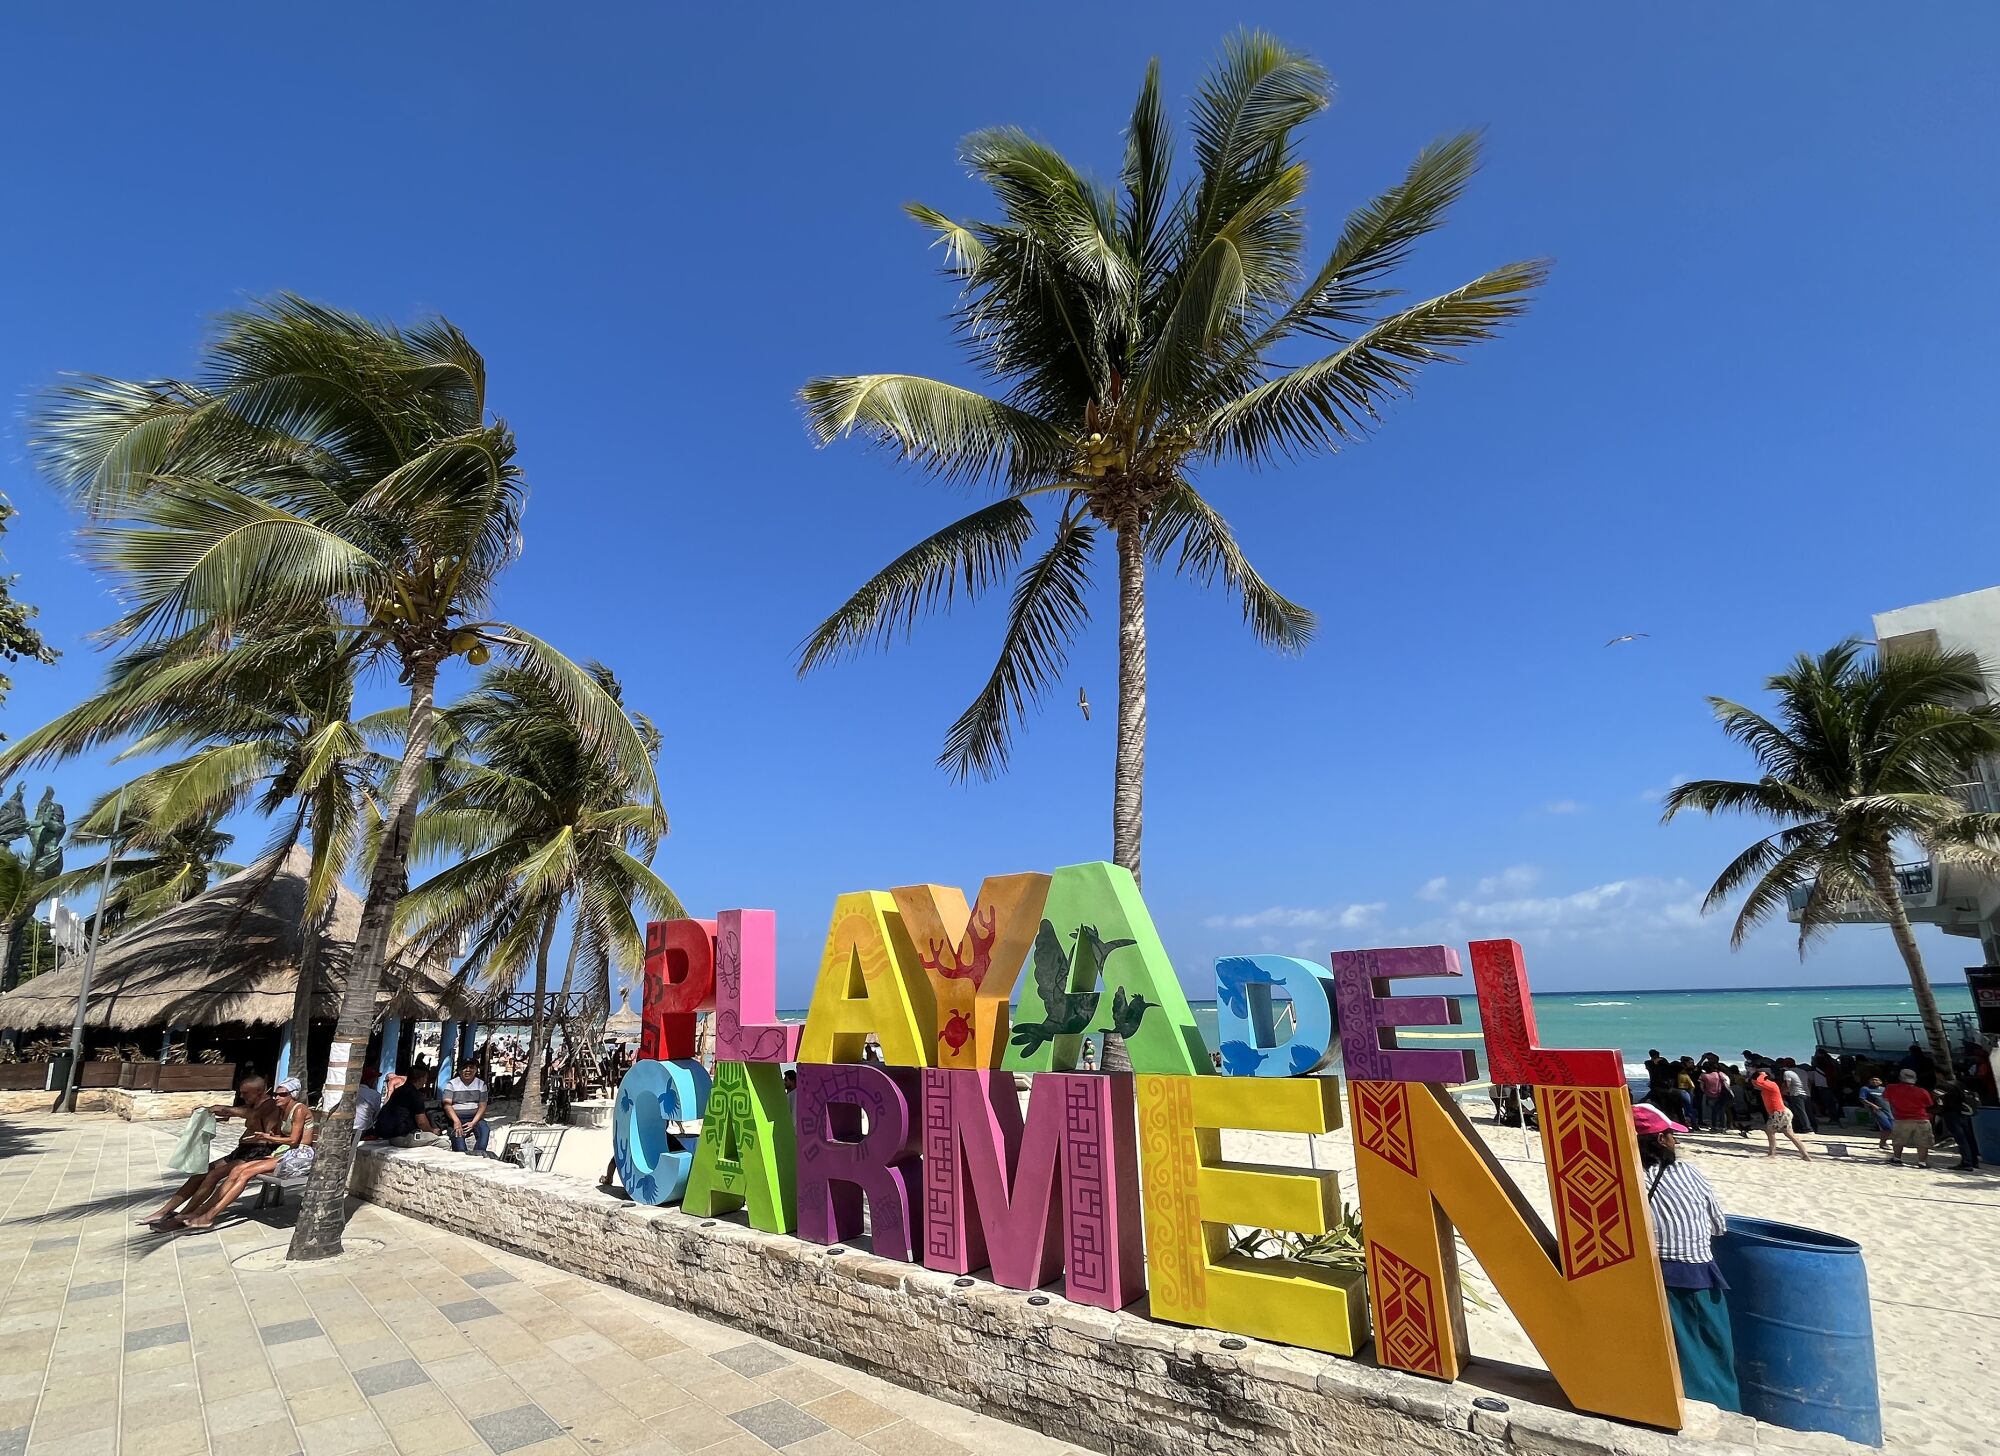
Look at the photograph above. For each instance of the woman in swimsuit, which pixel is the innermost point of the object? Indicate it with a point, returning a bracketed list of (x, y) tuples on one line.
[(256, 1107), (294, 1135)]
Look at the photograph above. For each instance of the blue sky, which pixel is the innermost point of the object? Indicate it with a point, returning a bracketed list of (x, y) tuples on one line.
[(1753, 406)]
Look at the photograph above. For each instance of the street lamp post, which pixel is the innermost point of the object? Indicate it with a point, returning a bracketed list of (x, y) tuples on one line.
[(68, 1103)]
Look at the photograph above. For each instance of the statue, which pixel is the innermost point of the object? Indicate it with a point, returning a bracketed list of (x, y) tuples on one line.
[(45, 837), (42, 859), (13, 817)]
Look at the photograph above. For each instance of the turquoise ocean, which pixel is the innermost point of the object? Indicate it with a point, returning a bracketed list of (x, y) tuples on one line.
[(1775, 1021)]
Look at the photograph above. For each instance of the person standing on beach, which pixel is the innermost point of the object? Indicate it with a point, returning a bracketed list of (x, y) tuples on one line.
[(1777, 1117), (1878, 1109), (1744, 1110), (1687, 1218), (1795, 1095), (1910, 1106), (1956, 1107), (1714, 1099)]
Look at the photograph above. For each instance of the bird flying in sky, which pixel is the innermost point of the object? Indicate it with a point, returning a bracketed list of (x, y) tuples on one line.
[(1083, 702), (1628, 637)]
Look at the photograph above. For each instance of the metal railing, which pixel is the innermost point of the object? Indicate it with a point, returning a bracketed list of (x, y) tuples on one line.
[(517, 1008), (1914, 880), (1893, 1033)]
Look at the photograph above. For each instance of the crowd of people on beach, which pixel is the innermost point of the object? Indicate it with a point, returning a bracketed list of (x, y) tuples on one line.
[(1912, 1104)]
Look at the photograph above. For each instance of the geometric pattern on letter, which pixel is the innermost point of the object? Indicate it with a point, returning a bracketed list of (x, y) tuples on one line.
[(1405, 1321), (1507, 1016), (1587, 1180), (1382, 1122)]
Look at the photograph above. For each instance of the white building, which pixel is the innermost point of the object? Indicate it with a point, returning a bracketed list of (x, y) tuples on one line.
[(1959, 900)]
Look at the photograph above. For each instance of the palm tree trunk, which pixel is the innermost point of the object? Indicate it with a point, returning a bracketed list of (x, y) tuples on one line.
[(7, 955), (1881, 870), (323, 1205), (532, 1109), (1128, 793)]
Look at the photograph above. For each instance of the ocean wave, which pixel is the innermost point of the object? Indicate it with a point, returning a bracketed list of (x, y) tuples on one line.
[(1600, 1003)]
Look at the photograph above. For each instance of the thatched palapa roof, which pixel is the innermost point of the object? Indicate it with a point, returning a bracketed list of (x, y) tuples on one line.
[(624, 1024), (231, 954)]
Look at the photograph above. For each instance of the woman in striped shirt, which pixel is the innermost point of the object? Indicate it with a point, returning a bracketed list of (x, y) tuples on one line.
[(1686, 1218)]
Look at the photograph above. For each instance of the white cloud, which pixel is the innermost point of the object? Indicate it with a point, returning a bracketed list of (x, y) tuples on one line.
[(1433, 888), (1653, 796), (1614, 911), (1514, 880), (1563, 806), (1303, 917)]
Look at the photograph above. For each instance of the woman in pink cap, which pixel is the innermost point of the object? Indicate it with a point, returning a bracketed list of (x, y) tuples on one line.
[(1687, 1217)]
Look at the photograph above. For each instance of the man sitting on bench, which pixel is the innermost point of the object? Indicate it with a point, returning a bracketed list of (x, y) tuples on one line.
[(261, 1116), (292, 1141)]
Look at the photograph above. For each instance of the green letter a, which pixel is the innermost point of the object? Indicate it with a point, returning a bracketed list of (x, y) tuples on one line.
[(1098, 965), (746, 1149)]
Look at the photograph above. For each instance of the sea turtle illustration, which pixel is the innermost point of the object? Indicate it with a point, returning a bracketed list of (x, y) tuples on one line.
[(957, 1031)]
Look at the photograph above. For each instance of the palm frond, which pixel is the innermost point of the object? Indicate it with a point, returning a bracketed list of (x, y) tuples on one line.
[(1208, 550), (969, 555), (953, 432), (1048, 610), (1146, 175), (1377, 239), (1322, 405)]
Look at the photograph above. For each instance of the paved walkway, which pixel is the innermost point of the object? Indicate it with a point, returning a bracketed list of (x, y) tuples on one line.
[(116, 1339)]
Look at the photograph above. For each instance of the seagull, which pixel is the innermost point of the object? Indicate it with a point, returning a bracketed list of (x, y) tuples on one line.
[(1083, 702), (1628, 637)]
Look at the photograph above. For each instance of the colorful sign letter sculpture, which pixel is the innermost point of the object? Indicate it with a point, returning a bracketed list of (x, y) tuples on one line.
[(935, 1146), (1099, 966), (970, 956), (1247, 1020), (1594, 1292), (869, 984), (746, 990), (1513, 1052), (680, 983), (1369, 1015), (652, 1162), (1192, 1196), (1058, 1192), (841, 1165), (745, 1154)]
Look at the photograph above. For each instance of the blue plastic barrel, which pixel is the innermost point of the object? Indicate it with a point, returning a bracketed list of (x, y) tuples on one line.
[(1805, 1341)]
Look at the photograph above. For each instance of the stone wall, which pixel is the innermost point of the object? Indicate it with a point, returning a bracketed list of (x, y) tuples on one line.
[(130, 1105), (1116, 1382), (88, 1099)]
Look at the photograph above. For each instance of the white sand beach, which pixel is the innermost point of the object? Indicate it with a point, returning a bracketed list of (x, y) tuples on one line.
[(1931, 1239)]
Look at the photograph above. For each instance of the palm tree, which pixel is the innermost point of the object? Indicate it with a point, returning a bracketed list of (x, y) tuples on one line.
[(545, 824), (269, 725), (1864, 751), (1132, 338), (322, 465), (158, 861)]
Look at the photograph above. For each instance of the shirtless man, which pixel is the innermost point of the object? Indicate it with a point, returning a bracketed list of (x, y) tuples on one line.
[(260, 1136), (294, 1131)]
